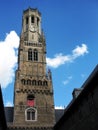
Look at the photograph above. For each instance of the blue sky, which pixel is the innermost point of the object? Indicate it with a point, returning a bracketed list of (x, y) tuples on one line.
[(71, 31)]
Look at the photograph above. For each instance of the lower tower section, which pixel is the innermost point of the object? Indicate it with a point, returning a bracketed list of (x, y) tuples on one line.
[(34, 104)]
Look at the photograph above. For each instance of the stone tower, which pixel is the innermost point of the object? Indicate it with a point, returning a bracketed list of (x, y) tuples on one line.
[(33, 91)]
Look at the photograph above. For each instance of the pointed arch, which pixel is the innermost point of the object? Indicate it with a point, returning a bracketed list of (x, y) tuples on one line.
[(39, 82)]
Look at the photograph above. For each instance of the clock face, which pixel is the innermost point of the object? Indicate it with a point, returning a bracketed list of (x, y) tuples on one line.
[(32, 28)]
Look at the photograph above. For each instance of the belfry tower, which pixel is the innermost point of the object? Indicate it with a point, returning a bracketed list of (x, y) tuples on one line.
[(33, 92)]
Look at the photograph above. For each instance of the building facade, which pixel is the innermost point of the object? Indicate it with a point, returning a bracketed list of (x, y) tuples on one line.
[(33, 90)]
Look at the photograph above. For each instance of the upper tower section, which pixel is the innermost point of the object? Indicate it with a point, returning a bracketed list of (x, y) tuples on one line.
[(31, 24), (32, 49)]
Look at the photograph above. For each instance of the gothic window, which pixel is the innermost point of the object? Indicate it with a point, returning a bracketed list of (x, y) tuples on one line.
[(31, 114), (39, 82), (45, 83), (34, 82), (35, 55), (32, 19), (28, 82), (30, 57), (23, 81)]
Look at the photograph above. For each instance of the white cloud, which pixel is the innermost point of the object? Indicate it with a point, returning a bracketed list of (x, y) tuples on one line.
[(60, 59), (59, 107), (67, 80), (9, 104), (8, 58), (57, 60), (80, 51)]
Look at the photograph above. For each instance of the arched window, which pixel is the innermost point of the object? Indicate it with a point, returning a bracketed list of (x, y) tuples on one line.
[(34, 82), (27, 20), (30, 57), (28, 82), (31, 114), (45, 83), (23, 81), (39, 82), (32, 19), (35, 55)]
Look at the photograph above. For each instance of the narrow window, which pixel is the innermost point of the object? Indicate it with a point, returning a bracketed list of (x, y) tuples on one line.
[(34, 82), (35, 55), (28, 115), (39, 82), (37, 21), (32, 19), (33, 115), (28, 82), (30, 58), (45, 83), (27, 20)]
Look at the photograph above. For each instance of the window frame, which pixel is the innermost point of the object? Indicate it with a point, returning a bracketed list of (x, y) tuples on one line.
[(30, 109)]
